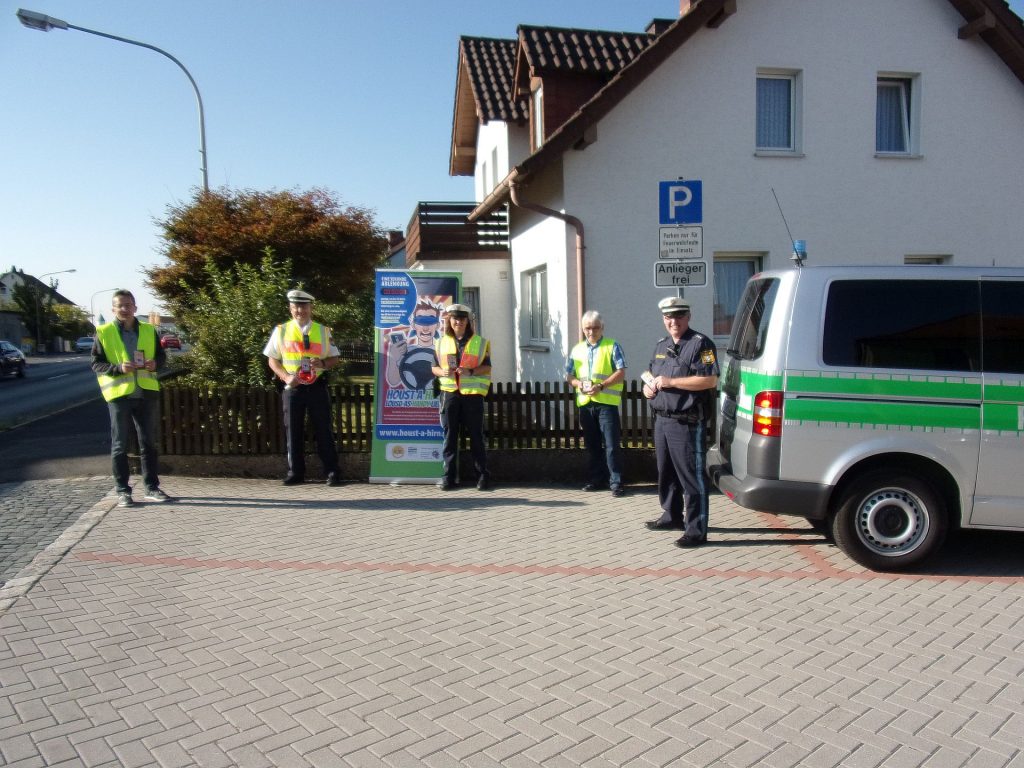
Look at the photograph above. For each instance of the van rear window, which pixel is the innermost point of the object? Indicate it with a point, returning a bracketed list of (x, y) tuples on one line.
[(750, 327), (916, 324)]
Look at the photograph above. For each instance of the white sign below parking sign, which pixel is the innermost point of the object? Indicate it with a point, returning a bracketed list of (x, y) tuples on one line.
[(681, 243), (679, 274)]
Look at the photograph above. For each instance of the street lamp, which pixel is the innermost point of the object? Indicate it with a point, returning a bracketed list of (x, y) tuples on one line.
[(39, 303), (44, 23), (92, 311)]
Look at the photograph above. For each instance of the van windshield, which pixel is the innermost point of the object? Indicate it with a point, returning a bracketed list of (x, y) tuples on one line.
[(750, 328)]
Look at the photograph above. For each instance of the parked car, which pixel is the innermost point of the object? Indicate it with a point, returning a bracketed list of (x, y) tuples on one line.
[(884, 404), (84, 344), (11, 360), (170, 341)]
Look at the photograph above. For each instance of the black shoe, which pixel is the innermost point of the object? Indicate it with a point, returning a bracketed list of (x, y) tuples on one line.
[(591, 487), (445, 484), (333, 480), (293, 480), (483, 483), (691, 541), (618, 490), (663, 525)]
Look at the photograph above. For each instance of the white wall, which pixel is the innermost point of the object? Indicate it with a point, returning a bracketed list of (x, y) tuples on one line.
[(694, 118)]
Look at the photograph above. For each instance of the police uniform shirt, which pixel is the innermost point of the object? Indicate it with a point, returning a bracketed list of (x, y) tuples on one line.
[(694, 355), (273, 347)]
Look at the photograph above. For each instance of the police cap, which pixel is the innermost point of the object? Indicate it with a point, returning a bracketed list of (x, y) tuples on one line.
[(296, 296), (673, 304), (458, 310)]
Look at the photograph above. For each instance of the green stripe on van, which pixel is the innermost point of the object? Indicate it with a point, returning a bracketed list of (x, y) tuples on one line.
[(1002, 417), (755, 381), (873, 414), (885, 385), (1010, 392)]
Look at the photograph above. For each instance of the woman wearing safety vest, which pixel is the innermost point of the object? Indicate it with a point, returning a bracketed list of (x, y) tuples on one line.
[(462, 364)]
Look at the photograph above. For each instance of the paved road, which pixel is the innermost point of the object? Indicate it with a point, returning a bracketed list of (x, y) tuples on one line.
[(253, 625), (52, 383)]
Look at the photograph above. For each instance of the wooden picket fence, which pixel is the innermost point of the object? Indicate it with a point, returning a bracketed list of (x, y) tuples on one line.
[(247, 421)]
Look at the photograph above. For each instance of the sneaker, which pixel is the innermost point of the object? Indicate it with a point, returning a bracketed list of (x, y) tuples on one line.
[(124, 499), (156, 495), (618, 490)]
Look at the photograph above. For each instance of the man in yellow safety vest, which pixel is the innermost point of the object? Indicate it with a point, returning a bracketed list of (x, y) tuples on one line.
[(596, 369), (126, 356)]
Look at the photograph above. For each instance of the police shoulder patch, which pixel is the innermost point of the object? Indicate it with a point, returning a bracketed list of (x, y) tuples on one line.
[(707, 357)]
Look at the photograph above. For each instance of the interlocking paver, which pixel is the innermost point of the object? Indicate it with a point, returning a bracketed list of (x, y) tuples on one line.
[(378, 625)]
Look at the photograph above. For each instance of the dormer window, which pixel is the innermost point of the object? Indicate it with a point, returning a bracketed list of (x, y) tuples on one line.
[(537, 115)]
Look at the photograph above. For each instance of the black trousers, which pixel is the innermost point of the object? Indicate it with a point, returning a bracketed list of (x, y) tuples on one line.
[(462, 412), (297, 402), (682, 488)]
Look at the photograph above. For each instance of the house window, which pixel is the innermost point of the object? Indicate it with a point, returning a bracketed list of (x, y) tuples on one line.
[(537, 113), (894, 123), (777, 111), (732, 270), (535, 290), (471, 298)]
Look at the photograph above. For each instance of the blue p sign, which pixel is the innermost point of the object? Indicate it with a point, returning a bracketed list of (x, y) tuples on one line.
[(680, 202)]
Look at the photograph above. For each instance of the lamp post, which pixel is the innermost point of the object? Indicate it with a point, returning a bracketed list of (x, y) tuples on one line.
[(92, 299), (39, 304), (44, 23)]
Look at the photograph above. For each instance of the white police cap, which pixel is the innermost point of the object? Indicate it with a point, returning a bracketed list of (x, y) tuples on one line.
[(673, 304), (452, 309), (296, 296)]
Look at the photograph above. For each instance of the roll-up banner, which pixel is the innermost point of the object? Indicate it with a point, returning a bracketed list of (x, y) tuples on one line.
[(407, 433)]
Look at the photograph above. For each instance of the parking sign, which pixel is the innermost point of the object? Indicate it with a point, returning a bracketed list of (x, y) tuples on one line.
[(680, 202)]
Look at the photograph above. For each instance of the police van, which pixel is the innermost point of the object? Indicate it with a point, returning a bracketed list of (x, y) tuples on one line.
[(883, 404)]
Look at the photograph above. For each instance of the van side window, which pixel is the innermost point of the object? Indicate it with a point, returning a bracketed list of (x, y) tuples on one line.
[(916, 324), (750, 326), (1002, 310)]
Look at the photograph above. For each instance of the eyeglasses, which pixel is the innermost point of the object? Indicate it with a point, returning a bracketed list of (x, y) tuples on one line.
[(676, 315), (592, 327), (425, 319), (458, 317)]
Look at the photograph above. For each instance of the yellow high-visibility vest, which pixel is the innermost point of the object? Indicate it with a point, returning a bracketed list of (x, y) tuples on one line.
[(475, 352), (115, 385), (293, 347), (604, 366)]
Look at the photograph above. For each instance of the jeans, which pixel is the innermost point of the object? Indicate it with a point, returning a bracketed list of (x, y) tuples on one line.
[(145, 412), (602, 435)]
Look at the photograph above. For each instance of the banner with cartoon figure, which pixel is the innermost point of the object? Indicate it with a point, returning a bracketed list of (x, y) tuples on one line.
[(407, 433)]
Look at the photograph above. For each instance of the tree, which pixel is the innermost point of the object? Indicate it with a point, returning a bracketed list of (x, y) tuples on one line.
[(332, 249)]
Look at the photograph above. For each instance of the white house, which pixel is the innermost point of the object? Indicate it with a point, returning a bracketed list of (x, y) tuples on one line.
[(889, 131)]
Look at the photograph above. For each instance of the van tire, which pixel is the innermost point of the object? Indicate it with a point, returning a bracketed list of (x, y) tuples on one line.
[(890, 521)]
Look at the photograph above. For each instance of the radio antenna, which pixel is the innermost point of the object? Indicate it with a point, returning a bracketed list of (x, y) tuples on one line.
[(799, 246)]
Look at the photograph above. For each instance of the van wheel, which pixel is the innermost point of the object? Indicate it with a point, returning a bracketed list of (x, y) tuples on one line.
[(889, 521)]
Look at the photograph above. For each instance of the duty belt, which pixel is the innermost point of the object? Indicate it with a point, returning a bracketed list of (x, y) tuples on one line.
[(687, 417)]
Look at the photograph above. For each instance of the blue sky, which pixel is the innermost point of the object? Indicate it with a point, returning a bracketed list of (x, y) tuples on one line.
[(99, 137)]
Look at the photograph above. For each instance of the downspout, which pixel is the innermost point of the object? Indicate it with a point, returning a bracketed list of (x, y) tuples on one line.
[(513, 189)]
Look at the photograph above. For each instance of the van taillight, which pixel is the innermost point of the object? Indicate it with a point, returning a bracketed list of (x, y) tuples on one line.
[(768, 413)]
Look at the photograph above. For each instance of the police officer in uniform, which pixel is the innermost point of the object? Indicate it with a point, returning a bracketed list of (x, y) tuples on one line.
[(299, 352), (462, 365), (683, 367)]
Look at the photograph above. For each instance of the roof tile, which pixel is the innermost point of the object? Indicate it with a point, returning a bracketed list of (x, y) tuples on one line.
[(491, 63)]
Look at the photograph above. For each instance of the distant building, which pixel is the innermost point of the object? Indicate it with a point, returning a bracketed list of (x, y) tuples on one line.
[(12, 328)]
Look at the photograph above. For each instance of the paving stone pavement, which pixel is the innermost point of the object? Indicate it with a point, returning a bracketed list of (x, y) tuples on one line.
[(35, 512), (252, 625)]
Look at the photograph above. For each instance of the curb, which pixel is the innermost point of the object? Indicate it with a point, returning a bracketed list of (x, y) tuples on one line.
[(41, 564)]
